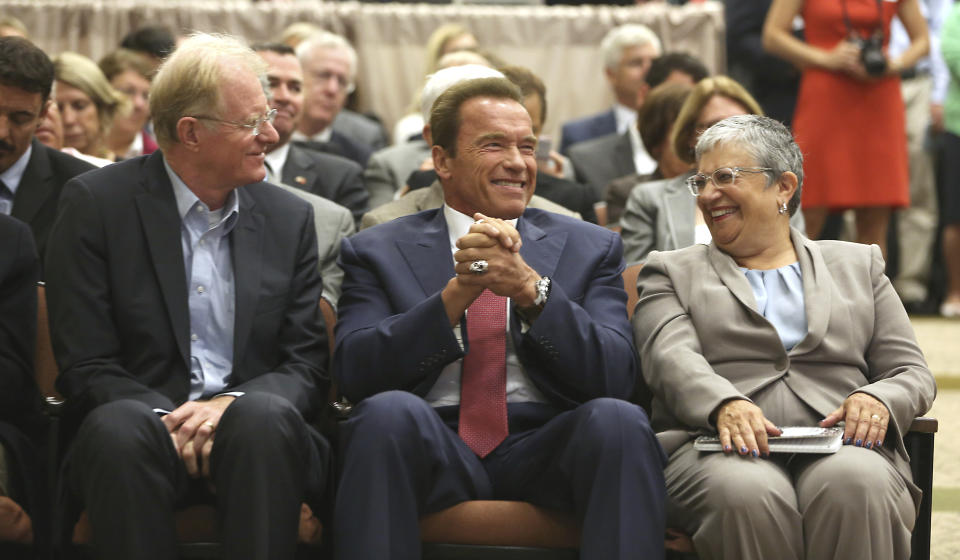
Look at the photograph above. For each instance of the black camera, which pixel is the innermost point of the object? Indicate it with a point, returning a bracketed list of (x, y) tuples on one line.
[(871, 53)]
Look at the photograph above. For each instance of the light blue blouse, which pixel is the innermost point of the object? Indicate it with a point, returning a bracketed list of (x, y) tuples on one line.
[(779, 295)]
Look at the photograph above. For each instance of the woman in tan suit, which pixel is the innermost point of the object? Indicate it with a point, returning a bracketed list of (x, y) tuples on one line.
[(765, 328)]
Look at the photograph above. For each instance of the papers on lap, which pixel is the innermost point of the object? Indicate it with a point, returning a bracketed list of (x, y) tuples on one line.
[(795, 439)]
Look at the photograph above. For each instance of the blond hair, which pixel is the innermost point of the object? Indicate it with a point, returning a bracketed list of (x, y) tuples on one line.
[(82, 73), (685, 128)]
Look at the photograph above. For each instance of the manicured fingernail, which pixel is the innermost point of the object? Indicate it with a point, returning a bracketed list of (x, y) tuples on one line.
[(756, 453), (879, 443), (727, 448), (849, 441), (743, 449), (869, 445), (859, 443)]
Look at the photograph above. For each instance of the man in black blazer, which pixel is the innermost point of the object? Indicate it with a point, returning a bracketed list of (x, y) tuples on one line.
[(333, 177), (21, 423), (32, 174), (183, 302)]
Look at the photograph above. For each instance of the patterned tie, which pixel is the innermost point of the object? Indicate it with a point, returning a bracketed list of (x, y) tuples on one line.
[(483, 383)]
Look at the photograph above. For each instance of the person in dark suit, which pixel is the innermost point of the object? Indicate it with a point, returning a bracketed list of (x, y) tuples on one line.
[(335, 178), (627, 52), (31, 174), (21, 424), (330, 68), (183, 304), (530, 305)]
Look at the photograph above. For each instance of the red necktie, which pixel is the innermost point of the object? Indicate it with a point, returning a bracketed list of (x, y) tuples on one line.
[(483, 383)]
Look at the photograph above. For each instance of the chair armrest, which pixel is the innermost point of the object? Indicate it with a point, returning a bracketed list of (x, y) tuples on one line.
[(924, 425)]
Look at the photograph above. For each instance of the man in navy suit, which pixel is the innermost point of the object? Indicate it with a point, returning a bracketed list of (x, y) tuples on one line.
[(486, 346), (627, 53), (183, 297)]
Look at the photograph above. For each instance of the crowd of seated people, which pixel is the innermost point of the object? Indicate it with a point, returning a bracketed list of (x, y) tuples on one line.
[(189, 201)]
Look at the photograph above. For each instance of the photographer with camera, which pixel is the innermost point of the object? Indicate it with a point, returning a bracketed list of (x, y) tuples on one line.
[(849, 120)]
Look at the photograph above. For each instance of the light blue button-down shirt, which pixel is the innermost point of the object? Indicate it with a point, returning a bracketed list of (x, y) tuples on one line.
[(779, 295), (205, 238), (11, 178)]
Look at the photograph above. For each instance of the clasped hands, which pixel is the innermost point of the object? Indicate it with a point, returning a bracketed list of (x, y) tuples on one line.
[(845, 57), (192, 426), (498, 243), (743, 428)]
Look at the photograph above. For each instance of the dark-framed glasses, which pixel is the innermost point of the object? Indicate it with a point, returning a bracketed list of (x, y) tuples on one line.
[(722, 178), (255, 127)]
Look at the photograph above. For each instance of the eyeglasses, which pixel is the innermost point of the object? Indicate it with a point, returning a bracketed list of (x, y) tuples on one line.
[(342, 83), (255, 127), (722, 178)]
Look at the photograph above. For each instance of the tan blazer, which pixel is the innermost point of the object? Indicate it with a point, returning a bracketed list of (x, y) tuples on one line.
[(702, 341)]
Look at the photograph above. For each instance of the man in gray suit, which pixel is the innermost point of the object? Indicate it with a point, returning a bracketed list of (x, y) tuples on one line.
[(388, 170), (333, 177)]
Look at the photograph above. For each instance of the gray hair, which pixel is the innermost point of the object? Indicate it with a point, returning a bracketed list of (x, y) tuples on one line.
[(441, 80), (767, 140), (629, 35), (326, 40)]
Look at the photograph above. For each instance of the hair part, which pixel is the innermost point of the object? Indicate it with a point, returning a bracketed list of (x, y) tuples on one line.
[(768, 142), (624, 36), (84, 74), (685, 129), (189, 82), (445, 117), (24, 66)]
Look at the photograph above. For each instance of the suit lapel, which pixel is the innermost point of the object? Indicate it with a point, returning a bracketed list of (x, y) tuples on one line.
[(623, 156), (539, 250), (161, 226), (732, 278), (430, 253), (680, 208), (816, 292), (247, 254), (36, 184), (298, 170)]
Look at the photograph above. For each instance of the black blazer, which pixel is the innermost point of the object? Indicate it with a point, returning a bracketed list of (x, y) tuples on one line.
[(118, 295), (333, 177), (36, 200)]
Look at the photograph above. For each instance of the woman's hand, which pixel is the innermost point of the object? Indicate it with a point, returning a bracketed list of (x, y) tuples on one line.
[(866, 420), (741, 425), (845, 57)]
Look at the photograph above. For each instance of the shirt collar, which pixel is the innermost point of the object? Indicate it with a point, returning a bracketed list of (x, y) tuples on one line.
[(458, 224), (322, 136), (277, 159), (12, 176), (186, 200), (625, 116)]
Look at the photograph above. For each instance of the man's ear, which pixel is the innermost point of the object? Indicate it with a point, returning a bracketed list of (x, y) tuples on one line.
[(441, 162), (187, 133)]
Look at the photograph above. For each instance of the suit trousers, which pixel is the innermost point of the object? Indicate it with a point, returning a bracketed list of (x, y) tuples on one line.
[(400, 460), (849, 505), (265, 461), (917, 225)]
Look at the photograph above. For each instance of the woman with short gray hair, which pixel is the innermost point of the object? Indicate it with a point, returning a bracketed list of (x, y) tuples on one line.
[(764, 329)]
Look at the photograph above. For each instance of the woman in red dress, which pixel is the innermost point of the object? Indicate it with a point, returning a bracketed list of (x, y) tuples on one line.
[(849, 119)]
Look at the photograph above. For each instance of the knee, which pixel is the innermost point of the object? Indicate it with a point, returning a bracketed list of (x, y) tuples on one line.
[(388, 415), (614, 421), (261, 417), (121, 428), (747, 492)]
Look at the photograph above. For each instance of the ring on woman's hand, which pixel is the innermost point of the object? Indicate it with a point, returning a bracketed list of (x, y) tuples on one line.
[(875, 417), (479, 267), (210, 425)]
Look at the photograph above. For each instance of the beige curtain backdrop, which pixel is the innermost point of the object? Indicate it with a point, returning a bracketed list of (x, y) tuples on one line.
[(559, 43)]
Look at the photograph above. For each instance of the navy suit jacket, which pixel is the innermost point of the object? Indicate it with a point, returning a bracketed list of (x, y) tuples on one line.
[(587, 128), (393, 331), (117, 292)]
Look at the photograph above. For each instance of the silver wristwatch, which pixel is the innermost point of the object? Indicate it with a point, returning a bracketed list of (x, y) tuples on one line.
[(543, 291)]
